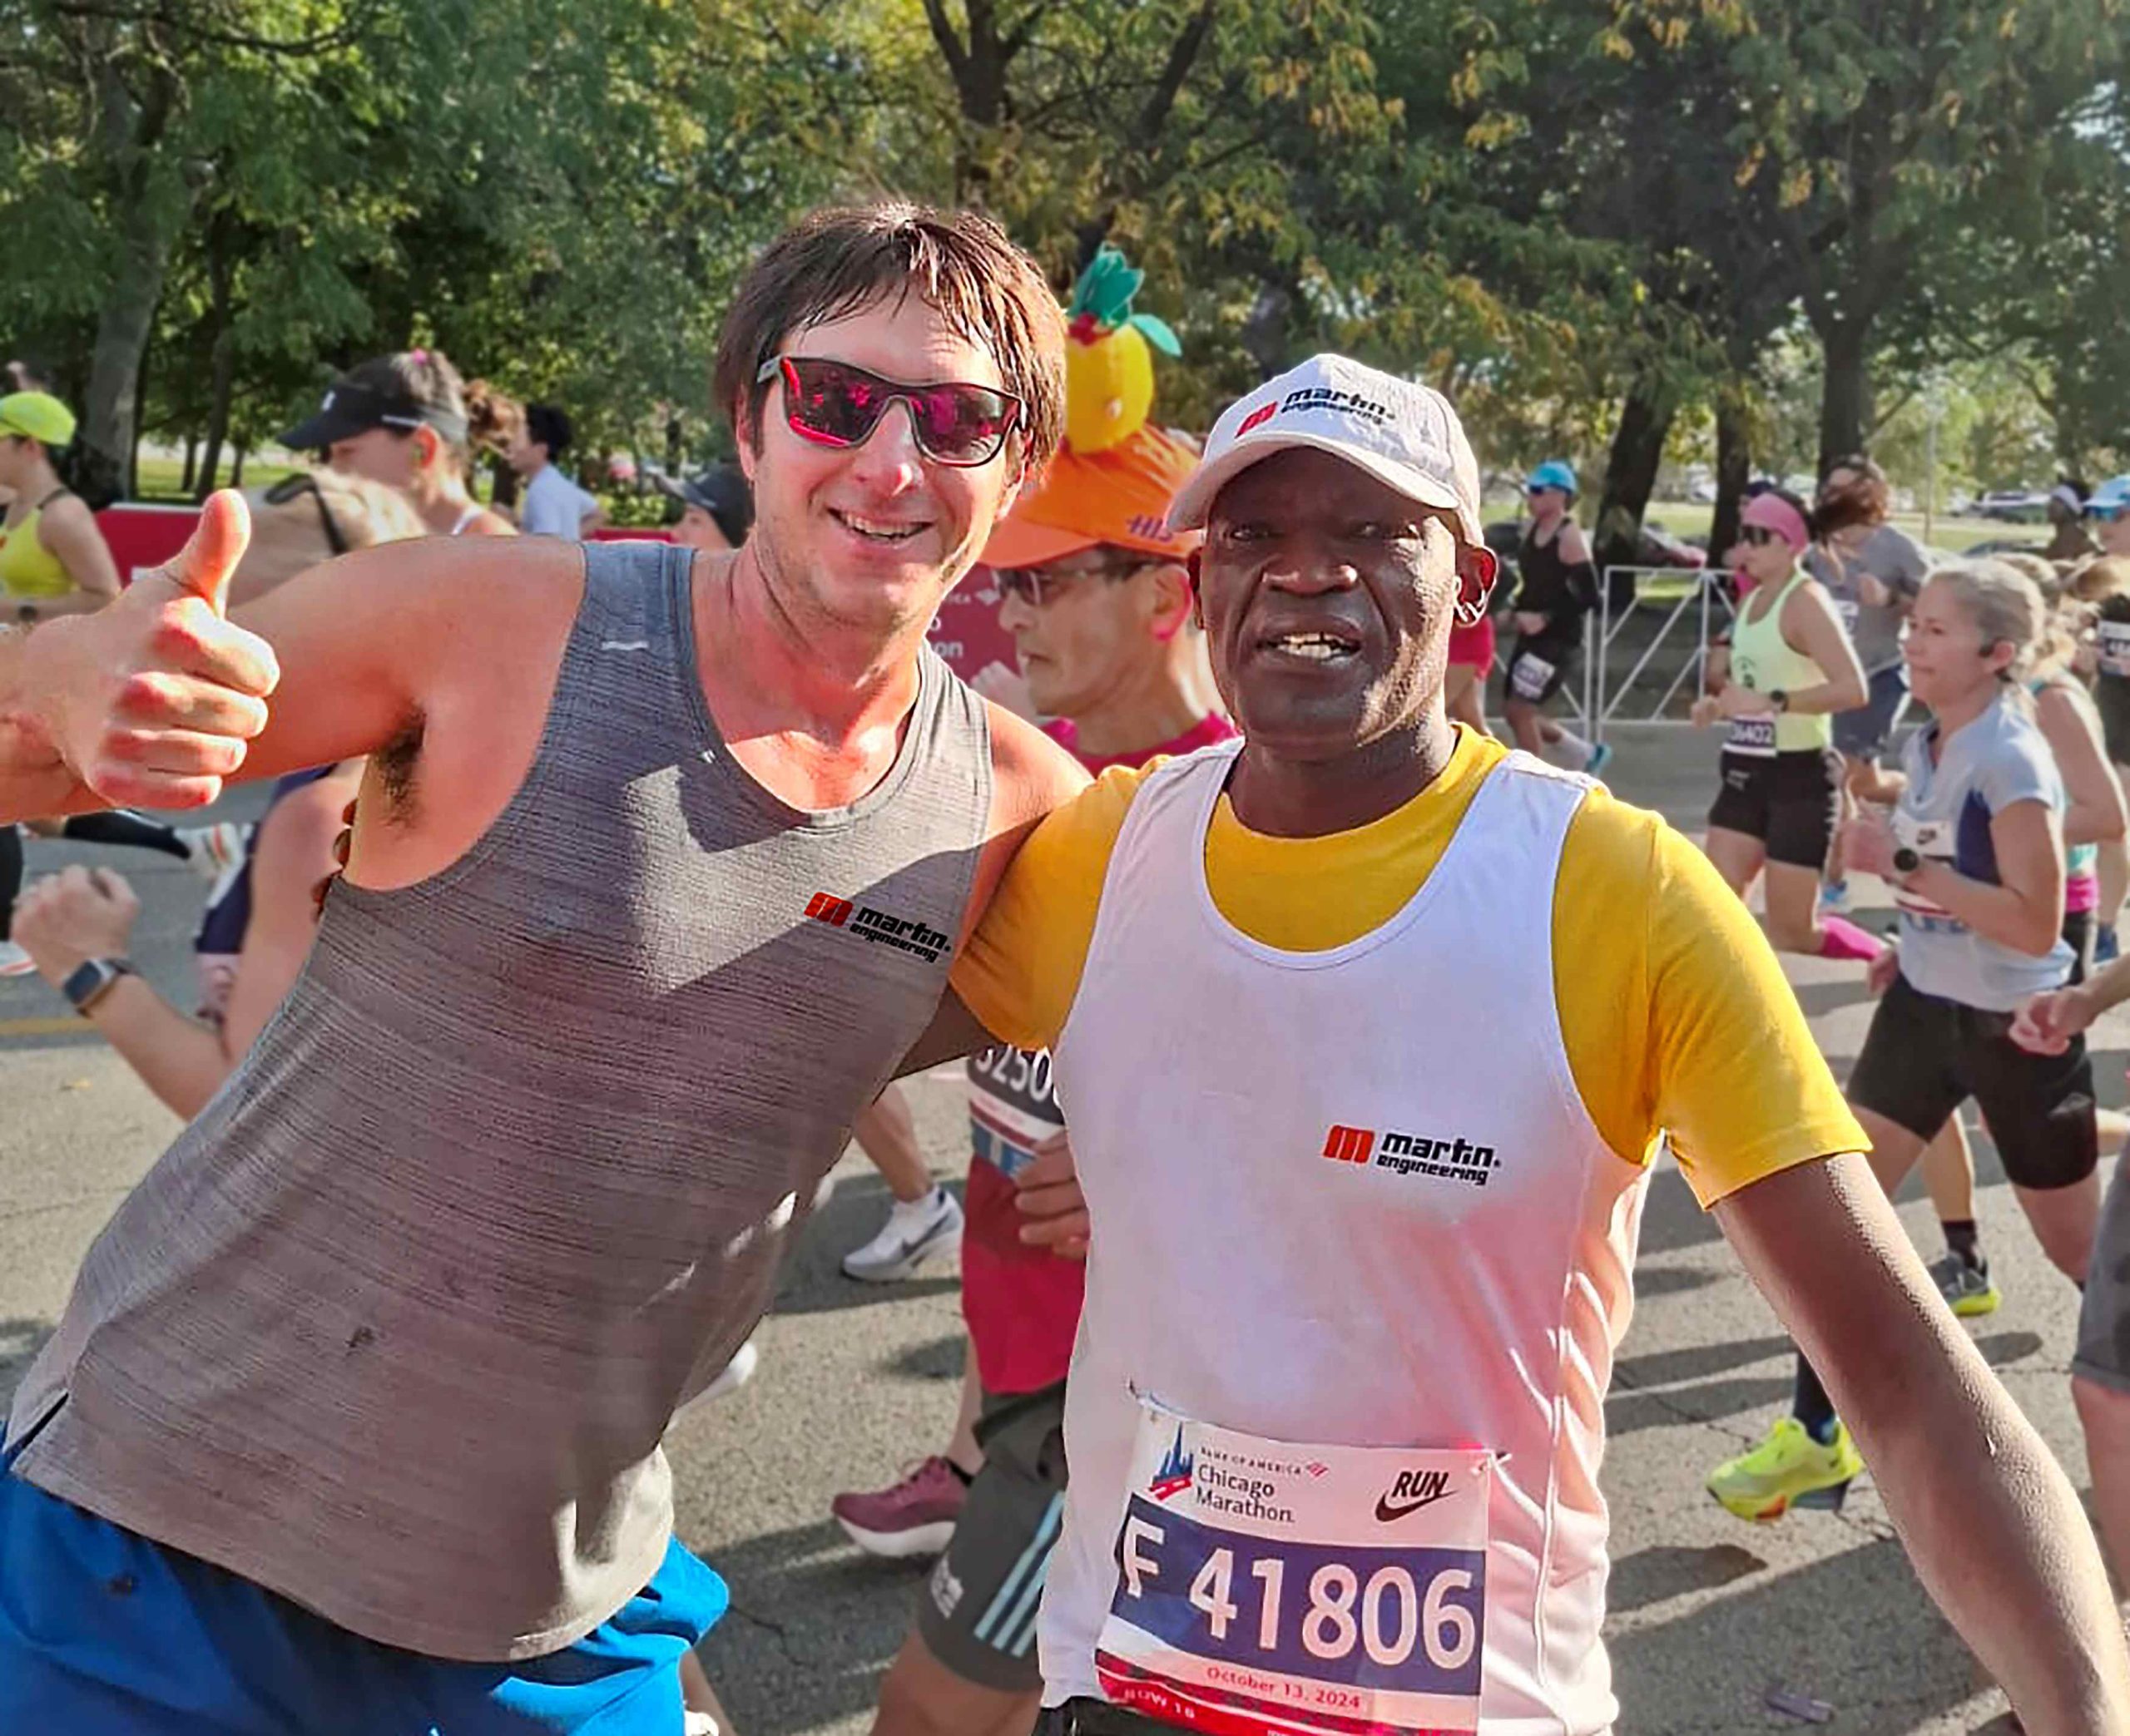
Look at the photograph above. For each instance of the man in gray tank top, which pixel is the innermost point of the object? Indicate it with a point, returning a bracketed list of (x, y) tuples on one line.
[(662, 863)]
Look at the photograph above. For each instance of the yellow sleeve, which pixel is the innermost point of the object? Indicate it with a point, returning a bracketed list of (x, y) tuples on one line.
[(1021, 968), (1721, 1057)]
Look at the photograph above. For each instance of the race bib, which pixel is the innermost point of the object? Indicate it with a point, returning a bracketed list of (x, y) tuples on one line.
[(1754, 735), (1529, 674), (1934, 841), (2114, 636), (1849, 613), (1264, 1587)]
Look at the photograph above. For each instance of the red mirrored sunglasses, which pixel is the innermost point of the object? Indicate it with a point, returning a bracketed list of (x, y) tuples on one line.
[(833, 404)]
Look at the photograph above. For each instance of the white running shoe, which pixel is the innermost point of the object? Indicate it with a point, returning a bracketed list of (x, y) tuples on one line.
[(14, 962), (916, 1229), (698, 1723), (736, 1373), (216, 849)]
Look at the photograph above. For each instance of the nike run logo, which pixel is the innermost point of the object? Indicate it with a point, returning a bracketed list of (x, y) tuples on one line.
[(1423, 1487)]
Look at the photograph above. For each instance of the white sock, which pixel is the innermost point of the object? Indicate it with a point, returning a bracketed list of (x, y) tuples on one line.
[(1571, 751)]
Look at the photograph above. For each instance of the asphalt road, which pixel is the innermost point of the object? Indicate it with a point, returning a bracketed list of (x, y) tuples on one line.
[(1707, 1614)]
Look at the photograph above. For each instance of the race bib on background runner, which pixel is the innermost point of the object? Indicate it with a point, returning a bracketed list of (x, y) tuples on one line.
[(1529, 674), (1298, 1591), (1849, 613), (1754, 735), (2114, 637)]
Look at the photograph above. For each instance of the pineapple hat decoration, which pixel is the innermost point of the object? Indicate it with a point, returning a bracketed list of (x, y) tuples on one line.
[(1109, 369)]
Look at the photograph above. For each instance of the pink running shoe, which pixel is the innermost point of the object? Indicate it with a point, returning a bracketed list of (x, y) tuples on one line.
[(914, 1517)]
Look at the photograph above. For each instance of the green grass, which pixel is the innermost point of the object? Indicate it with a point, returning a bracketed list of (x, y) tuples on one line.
[(162, 479)]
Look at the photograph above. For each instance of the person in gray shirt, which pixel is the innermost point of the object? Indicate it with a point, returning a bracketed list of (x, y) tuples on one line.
[(661, 863)]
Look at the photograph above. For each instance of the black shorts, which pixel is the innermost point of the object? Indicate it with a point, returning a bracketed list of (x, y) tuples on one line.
[(1095, 1718), (1925, 1057), (1537, 667), (2078, 936), (2111, 700), (977, 1611), (1789, 802)]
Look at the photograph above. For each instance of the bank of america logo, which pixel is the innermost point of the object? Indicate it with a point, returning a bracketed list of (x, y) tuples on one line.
[(1173, 1476), (906, 934)]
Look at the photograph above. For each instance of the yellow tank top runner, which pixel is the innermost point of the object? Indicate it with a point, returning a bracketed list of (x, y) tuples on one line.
[(27, 568), (1764, 660)]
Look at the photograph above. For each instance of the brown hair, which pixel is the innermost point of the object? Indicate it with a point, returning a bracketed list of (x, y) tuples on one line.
[(2098, 580), (425, 375), (493, 418), (835, 262), (1863, 500)]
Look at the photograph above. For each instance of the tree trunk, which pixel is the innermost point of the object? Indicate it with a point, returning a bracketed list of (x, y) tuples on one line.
[(236, 468), (1631, 476), (1264, 329), (1846, 405), (1734, 466), (191, 463), (149, 213), (221, 348)]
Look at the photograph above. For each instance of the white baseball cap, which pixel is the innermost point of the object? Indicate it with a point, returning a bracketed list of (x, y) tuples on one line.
[(1406, 436)]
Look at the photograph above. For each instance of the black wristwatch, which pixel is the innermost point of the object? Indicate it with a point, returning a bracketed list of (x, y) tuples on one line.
[(26, 615), (1906, 861), (1779, 701), (91, 983)]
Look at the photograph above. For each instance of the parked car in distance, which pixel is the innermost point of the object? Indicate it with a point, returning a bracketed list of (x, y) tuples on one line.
[(2013, 506)]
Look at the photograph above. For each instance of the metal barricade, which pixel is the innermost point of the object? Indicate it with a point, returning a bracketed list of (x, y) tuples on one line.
[(1703, 599)]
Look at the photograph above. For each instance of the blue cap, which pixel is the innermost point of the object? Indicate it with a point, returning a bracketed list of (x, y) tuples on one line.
[(2111, 499), (1553, 473)]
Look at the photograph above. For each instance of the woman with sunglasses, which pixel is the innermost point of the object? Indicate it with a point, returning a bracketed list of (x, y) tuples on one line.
[(1791, 668), (1558, 588), (53, 559)]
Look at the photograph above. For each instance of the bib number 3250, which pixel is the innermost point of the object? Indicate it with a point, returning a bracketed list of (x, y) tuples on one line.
[(1264, 1586)]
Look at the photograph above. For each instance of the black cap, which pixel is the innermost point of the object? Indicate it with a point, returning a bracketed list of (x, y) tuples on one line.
[(352, 408), (722, 492)]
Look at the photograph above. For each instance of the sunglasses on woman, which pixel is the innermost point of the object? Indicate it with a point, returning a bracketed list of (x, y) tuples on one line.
[(1756, 535), (833, 404)]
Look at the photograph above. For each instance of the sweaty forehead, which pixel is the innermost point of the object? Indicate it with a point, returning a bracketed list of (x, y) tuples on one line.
[(1301, 486), (900, 334)]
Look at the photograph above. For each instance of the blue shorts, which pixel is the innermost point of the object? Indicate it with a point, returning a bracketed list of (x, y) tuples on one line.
[(1864, 733), (102, 1631)]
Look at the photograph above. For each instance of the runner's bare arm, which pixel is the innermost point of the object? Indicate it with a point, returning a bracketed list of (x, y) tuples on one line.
[(68, 529), (955, 1032), (1810, 616), (158, 699), (1989, 1519)]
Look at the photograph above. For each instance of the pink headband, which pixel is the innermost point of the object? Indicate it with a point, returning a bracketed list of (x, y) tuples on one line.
[(1772, 512)]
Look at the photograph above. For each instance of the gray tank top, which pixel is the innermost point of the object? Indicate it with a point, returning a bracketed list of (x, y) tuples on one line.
[(394, 1328)]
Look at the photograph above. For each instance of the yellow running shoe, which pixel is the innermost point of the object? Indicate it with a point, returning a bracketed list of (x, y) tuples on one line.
[(1788, 1468), (1968, 1291)]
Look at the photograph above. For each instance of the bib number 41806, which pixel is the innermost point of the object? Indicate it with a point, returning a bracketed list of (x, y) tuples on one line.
[(1388, 1616), (1394, 1618)]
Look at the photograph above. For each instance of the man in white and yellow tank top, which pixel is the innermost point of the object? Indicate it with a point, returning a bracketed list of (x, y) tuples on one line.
[(1366, 1031)]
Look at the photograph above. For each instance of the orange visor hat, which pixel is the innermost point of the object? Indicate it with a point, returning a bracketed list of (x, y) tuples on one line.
[(1117, 498)]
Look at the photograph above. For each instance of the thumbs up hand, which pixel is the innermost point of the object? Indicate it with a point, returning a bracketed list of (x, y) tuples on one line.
[(152, 700)]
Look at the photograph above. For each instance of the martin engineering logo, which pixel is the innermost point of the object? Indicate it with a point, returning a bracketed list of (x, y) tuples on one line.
[(1412, 1153), (1376, 414), (904, 933)]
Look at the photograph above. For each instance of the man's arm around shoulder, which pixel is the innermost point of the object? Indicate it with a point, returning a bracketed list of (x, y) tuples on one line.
[(1988, 1518)]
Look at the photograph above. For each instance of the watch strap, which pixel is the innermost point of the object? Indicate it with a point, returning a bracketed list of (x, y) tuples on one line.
[(89, 982)]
